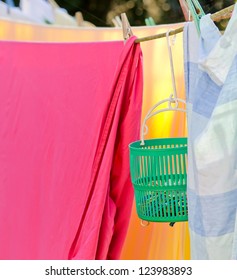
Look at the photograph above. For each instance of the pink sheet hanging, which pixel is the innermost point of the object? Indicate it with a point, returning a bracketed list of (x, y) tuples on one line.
[(67, 114)]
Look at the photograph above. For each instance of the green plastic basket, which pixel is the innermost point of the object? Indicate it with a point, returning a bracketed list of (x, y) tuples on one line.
[(158, 172)]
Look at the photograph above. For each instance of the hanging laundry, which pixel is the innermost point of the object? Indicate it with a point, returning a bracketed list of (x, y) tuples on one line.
[(66, 122), (14, 13), (61, 17), (219, 61), (160, 241), (212, 113), (40, 10), (3, 9)]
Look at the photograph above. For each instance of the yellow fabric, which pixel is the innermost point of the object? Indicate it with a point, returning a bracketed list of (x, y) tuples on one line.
[(158, 240)]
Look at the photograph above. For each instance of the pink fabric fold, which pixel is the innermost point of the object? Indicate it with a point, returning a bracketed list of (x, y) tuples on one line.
[(67, 114)]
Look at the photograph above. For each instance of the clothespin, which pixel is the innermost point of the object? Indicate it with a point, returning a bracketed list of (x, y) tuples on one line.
[(185, 10), (79, 18), (81, 22), (195, 9), (127, 31), (196, 12), (149, 21), (117, 21)]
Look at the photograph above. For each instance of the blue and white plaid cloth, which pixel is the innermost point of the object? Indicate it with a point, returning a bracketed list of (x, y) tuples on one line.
[(212, 138)]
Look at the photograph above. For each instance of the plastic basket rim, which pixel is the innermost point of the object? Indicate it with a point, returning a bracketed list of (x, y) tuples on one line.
[(147, 141)]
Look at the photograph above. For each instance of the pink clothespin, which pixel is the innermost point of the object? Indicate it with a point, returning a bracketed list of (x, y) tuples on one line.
[(185, 9), (127, 31)]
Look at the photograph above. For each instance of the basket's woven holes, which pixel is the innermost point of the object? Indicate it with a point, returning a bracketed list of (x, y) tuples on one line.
[(176, 204), (177, 167), (175, 170), (153, 169), (185, 204), (168, 202), (172, 195), (172, 169), (159, 204), (153, 204), (139, 169), (156, 170), (172, 174), (185, 168), (135, 176), (182, 163), (166, 171), (156, 204), (180, 169), (163, 205), (180, 197), (162, 170), (181, 176), (148, 204), (149, 170), (143, 170), (165, 166)]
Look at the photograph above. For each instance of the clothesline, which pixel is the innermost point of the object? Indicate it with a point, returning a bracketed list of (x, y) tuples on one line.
[(222, 14)]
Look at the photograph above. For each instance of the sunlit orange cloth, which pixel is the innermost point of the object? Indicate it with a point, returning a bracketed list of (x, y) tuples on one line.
[(157, 241)]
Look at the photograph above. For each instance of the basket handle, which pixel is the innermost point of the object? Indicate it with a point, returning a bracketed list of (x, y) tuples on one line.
[(173, 99), (152, 112)]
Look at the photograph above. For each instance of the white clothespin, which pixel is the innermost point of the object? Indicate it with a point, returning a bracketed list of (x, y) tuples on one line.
[(127, 31), (117, 21)]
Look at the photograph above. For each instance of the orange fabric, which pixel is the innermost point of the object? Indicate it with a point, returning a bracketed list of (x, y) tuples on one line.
[(158, 240)]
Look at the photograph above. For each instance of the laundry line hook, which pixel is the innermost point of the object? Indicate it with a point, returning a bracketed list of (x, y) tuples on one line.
[(171, 100), (171, 41)]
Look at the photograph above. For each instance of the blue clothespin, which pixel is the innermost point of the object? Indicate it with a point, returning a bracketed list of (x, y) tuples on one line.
[(149, 21), (196, 12)]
